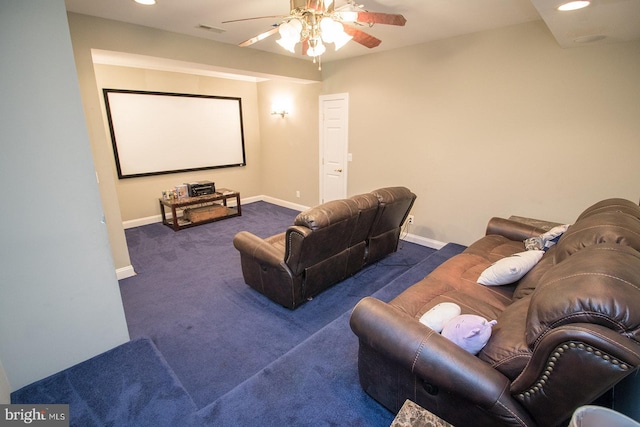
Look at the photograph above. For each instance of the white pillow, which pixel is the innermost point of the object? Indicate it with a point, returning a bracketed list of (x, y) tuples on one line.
[(510, 269), (439, 315)]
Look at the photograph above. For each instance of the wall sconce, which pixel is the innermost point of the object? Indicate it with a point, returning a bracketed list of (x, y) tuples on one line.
[(280, 108), (281, 112)]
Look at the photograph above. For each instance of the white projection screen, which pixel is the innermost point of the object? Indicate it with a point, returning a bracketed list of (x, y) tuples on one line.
[(158, 133)]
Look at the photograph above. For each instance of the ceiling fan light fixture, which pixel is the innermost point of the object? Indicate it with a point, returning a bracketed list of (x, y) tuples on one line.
[(290, 30), (333, 32), (573, 5), (316, 48), (315, 23), (329, 29), (288, 44), (289, 34), (342, 39)]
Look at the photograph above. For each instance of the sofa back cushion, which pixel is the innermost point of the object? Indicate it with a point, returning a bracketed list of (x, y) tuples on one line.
[(582, 289), (507, 350), (320, 233), (603, 227), (613, 222), (368, 207), (609, 205), (599, 284), (394, 204), (527, 285)]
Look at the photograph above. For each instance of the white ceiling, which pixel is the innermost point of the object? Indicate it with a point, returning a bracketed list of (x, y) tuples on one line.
[(427, 20)]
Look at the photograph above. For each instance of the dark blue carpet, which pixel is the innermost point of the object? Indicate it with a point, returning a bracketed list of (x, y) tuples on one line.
[(130, 385), (316, 383), (220, 353), (214, 330)]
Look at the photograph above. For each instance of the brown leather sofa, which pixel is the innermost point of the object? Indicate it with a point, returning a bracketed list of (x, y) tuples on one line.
[(325, 245), (566, 332)]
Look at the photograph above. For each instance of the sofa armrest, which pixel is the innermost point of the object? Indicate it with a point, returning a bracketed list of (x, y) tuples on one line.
[(512, 230), (571, 366), (257, 248), (427, 354)]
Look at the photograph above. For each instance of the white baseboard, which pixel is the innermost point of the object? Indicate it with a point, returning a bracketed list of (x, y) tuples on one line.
[(419, 240), (283, 203), (124, 272), (423, 241), (141, 221)]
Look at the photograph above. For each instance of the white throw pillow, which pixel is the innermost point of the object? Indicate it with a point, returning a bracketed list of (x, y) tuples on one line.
[(439, 315), (510, 269)]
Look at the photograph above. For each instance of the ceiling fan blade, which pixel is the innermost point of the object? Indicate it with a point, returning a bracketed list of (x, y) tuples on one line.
[(381, 18), (361, 37), (256, 17), (259, 37)]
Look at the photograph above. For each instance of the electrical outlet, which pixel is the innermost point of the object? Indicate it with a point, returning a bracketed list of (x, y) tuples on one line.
[(298, 193), (410, 219)]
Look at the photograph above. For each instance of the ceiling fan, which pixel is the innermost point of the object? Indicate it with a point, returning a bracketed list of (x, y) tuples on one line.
[(316, 22)]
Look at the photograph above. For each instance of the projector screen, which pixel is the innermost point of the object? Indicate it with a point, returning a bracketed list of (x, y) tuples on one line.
[(158, 133)]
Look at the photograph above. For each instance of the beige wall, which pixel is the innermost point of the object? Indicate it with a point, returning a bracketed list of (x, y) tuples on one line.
[(290, 149), (128, 200), (287, 147), (496, 123), (138, 197)]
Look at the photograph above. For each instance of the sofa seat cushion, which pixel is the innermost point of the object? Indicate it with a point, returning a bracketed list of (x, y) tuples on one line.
[(507, 349), (455, 281)]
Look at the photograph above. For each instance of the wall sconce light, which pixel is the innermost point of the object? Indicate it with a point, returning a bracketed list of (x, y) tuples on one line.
[(280, 108)]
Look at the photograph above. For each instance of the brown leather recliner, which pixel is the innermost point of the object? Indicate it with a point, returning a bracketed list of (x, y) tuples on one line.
[(567, 332), (326, 244)]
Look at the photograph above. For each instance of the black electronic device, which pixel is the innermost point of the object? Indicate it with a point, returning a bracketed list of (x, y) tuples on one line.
[(201, 188)]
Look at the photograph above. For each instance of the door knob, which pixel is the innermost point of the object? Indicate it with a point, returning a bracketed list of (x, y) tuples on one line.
[(338, 170)]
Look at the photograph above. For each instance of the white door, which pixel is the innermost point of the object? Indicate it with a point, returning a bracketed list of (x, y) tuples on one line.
[(334, 144)]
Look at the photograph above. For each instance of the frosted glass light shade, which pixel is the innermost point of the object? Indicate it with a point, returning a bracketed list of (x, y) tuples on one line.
[(316, 50)]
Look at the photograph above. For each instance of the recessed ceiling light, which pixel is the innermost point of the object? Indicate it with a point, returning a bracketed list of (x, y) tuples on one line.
[(146, 2), (574, 5)]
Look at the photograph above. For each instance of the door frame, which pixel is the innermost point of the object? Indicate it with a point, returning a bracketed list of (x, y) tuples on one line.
[(332, 97)]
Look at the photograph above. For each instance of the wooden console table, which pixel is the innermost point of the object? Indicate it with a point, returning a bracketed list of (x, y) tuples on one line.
[(208, 203)]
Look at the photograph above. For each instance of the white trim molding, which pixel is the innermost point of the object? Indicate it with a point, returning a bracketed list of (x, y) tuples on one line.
[(125, 272), (141, 221), (423, 241), (413, 238), (282, 203)]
